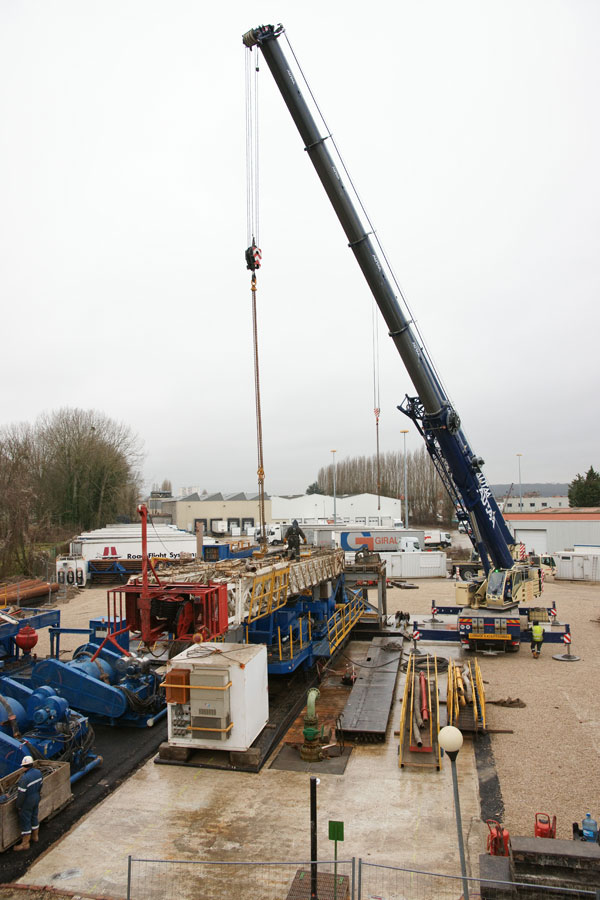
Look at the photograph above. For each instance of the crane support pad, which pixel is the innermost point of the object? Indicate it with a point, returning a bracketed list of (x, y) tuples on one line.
[(365, 717)]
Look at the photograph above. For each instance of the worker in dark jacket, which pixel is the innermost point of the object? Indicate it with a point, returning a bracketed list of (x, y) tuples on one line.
[(29, 786), (537, 639), (292, 536)]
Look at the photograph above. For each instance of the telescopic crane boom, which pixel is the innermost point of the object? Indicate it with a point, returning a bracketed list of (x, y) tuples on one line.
[(431, 410)]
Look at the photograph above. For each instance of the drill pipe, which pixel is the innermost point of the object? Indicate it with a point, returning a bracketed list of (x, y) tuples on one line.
[(424, 698)]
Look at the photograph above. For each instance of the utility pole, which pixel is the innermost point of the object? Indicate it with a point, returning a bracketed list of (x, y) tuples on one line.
[(404, 432), (333, 452), (519, 455)]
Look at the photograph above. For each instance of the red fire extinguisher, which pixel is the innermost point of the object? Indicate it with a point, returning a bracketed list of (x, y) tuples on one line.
[(498, 841), (544, 827)]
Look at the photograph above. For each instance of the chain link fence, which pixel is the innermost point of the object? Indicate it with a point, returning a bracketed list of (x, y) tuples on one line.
[(378, 882), (166, 879)]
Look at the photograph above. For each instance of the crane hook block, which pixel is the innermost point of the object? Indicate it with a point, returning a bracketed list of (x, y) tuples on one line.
[(253, 258)]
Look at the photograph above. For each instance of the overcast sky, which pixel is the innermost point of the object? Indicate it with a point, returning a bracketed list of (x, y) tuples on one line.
[(471, 130)]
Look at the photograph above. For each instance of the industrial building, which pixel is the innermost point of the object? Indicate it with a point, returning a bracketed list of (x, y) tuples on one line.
[(241, 510), (529, 504), (551, 530)]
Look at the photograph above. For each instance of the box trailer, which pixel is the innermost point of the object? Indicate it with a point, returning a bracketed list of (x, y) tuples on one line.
[(125, 542), (437, 540), (373, 539)]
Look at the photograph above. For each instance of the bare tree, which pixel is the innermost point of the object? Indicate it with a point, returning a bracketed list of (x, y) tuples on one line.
[(427, 495), (74, 468)]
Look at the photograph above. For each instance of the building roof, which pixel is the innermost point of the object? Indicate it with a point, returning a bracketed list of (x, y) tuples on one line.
[(240, 495), (555, 514)]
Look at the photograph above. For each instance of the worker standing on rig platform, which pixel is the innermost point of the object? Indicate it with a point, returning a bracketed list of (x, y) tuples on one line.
[(29, 786), (292, 536), (537, 639)]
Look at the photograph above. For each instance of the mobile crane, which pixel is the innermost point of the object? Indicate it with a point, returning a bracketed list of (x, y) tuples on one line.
[(507, 583)]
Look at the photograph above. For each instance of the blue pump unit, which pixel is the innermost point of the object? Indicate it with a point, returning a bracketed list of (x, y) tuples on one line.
[(40, 724), (114, 689)]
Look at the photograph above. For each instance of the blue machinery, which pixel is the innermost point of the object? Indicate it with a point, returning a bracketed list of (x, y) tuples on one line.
[(114, 687), (40, 724), (11, 655), (107, 686), (305, 629), (474, 630)]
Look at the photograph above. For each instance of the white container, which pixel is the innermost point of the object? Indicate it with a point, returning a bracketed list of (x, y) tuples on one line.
[(415, 565), (577, 566), (226, 705)]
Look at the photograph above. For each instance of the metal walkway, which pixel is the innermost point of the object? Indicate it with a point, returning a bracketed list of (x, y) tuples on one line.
[(367, 711)]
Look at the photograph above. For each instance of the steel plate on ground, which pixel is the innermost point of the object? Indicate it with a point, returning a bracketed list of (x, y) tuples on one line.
[(367, 711)]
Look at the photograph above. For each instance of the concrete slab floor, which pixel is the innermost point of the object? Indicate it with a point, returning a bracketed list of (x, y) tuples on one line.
[(392, 816)]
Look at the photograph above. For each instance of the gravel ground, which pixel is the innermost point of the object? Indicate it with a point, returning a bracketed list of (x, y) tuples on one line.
[(551, 762)]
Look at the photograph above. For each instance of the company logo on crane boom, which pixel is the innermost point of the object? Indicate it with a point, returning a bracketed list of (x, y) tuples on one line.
[(485, 494)]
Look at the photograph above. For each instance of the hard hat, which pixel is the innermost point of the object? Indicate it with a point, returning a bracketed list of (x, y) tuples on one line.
[(27, 761)]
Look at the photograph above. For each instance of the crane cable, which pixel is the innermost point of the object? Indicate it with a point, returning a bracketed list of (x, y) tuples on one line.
[(376, 400), (253, 261)]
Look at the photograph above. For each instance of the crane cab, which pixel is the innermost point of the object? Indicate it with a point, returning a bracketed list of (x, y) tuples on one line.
[(503, 589)]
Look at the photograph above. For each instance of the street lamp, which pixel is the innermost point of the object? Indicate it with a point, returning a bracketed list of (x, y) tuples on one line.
[(519, 455), (333, 452), (451, 740), (404, 431)]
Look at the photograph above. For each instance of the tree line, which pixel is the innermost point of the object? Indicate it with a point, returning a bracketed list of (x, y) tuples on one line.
[(428, 500), (69, 471), (584, 490)]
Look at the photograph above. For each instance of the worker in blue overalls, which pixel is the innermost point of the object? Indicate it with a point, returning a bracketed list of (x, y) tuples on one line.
[(29, 786)]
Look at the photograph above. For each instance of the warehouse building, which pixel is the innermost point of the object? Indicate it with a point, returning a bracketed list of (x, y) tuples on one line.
[(532, 503), (241, 511), (551, 530)]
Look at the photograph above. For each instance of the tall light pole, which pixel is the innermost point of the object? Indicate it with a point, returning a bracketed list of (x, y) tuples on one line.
[(404, 431), (519, 455), (451, 740), (333, 452)]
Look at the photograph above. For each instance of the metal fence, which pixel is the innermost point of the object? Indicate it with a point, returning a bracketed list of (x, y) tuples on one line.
[(355, 879), (167, 879), (378, 882)]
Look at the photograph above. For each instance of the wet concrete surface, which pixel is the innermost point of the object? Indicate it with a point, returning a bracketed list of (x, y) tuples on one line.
[(393, 816)]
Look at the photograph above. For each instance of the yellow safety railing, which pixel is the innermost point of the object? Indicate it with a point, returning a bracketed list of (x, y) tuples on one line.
[(404, 708), (269, 593), (477, 682), (453, 701), (437, 712), (343, 620), (431, 726), (429, 704), (457, 694)]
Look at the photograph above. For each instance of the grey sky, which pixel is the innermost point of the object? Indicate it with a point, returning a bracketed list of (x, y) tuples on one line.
[(472, 133)]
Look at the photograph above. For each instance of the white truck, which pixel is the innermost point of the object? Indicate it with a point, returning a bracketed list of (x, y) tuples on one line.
[(437, 540)]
